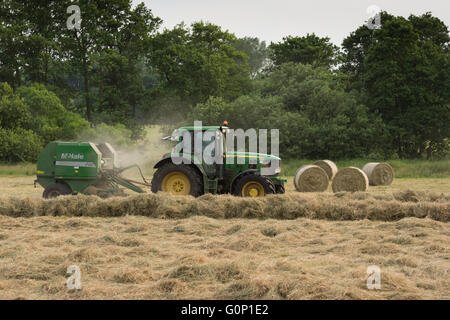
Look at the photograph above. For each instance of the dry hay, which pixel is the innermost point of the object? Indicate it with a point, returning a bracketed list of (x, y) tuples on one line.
[(319, 259), (329, 166), (338, 206), (379, 174), (350, 179), (311, 178)]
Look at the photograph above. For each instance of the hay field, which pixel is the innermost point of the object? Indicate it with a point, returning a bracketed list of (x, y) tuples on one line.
[(204, 258), (297, 246)]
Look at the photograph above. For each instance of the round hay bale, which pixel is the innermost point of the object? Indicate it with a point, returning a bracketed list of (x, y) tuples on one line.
[(311, 178), (379, 174), (350, 179), (329, 166)]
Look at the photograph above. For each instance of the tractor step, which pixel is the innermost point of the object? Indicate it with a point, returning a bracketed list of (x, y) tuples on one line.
[(212, 186)]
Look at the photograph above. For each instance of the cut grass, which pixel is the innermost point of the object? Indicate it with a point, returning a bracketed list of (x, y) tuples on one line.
[(303, 259), (339, 206), (199, 257)]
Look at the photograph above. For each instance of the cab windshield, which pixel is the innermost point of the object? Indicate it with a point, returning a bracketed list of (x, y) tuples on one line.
[(208, 139)]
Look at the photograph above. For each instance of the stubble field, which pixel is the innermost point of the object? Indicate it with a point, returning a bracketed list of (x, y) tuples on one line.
[(297, 246)]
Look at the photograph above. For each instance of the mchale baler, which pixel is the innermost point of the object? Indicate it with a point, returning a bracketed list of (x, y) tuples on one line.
[(65, 168)]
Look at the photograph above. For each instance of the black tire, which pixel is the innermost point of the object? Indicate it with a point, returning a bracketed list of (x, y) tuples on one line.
[(195, 179), (279, 188), (55, 190), (267, 184)]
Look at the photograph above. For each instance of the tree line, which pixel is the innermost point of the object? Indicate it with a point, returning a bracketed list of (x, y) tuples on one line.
[(383, 93)]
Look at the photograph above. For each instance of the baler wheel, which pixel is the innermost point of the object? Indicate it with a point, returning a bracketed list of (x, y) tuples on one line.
[(55, 190)]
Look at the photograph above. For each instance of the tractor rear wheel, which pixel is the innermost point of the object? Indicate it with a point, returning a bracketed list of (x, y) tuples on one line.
[(178, 180), (55, 190), (253, 185)]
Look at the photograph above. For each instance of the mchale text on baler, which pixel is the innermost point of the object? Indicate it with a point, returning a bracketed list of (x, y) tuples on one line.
[(70, 168)]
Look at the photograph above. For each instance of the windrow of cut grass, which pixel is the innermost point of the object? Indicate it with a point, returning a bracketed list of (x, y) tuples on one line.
[(339, 206)]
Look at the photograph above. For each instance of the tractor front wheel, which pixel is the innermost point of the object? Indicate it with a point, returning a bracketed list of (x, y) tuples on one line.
[(253, 185), (55, 190), (178, 180)]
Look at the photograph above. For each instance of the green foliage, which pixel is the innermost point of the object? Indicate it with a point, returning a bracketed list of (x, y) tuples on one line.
[(13, 111), (355, 48), (402, 71), (245, 112), (30, 118), (389, 98), (315, 116), (199, 62), (256, 51), (310, 49), (19, 145), (72, 54), (50, 120), (120, 88)]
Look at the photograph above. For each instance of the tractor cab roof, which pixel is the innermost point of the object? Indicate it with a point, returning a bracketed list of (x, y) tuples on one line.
[(202, 128)]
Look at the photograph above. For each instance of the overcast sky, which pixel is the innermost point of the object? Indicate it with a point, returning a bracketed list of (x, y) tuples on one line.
[(271, 20)]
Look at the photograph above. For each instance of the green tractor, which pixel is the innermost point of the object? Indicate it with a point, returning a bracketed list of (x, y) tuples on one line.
[(65, 168), (240, 173)]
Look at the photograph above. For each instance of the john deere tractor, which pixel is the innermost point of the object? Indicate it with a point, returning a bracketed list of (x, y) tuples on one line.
[(246, 174)]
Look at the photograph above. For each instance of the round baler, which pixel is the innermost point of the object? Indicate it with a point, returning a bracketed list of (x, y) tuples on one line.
[(81, 167)]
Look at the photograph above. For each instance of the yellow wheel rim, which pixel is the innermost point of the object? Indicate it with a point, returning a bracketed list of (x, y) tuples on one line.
[(253, 189), (176, 183)]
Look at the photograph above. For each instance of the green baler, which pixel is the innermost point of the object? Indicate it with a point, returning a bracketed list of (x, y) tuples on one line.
[(82, 167)]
